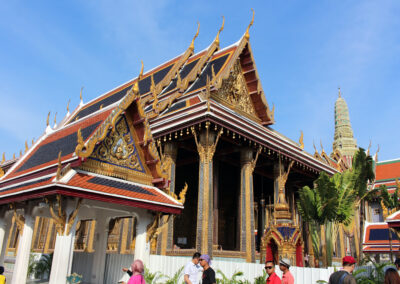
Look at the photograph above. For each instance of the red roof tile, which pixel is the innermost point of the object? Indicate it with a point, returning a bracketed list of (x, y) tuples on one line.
[(388, 170)]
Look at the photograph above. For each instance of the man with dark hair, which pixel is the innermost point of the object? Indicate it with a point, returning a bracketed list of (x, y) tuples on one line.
[(2, 277), (344, 276), (192, 269), (397, 263), (272, 277)]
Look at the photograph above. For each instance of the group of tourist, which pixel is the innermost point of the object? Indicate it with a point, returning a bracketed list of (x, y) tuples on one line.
[(202, 263)]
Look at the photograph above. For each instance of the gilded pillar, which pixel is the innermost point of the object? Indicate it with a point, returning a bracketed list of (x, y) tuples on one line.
[(165, 239), (206, 146), (247, 237)]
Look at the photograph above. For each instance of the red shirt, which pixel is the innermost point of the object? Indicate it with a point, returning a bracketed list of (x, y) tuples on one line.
[(273, 279), (287, 278)]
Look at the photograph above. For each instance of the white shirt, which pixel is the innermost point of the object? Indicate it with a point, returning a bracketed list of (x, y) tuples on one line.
[(192, 270)]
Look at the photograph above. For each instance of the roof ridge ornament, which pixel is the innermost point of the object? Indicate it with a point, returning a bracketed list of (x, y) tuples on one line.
[(80, 96), (301, 140), (68, 107), (55, 120), (191, 47), (3, 158), (247, 34), (220, 30)]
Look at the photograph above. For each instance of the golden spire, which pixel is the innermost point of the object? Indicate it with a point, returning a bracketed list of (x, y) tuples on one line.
[(20, 153), (68, 105), (195, 36), (80, 94), (220, 30), (136, 86), (26, 146), (247, 34), (301, 142), (340, 95), (315, 148), (48, 118), (33, 141), (4, 158), (322, 147), (55, 119), (14, 156)]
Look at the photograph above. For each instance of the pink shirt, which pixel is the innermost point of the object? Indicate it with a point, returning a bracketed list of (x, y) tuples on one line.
[(287, 278), (136, 279)]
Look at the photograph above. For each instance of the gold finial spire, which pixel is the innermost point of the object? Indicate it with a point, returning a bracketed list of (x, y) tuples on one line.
[(322, 147), (136, 86), (26, 146), (14, 156), (195, 36), (301, 142), (68, 105), (33, 141), (4, 158), (80, 94), (55, 119), (220, 30), (141, 71), (20, 153), (48, 118), (340, 94), (247, 34)]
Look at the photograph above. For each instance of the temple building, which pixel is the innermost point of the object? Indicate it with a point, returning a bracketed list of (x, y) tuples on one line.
[(198, 126)]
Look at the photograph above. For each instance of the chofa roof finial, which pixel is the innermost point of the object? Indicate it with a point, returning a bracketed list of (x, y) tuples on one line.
[(195, 36), (220, 30), (247, 34), (80, 96)]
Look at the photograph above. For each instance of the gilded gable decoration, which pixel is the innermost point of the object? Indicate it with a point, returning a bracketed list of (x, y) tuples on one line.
[(233, 93), (118, 148)]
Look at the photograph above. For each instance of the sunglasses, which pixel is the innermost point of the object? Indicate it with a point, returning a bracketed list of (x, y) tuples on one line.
[(268, 267)]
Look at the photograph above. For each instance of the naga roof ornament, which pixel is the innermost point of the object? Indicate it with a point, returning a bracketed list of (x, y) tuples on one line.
[(247, 34)]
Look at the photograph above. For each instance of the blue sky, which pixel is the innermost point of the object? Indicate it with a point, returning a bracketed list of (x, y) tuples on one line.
[(303, 51)]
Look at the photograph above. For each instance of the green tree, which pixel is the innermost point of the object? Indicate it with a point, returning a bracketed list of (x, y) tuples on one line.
[(391, 201), (317, 206), (362, 174), (329, 203)]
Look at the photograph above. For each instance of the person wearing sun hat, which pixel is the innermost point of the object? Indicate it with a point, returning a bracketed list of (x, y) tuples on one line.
[(344, 276), (287, 277), (208, 273)]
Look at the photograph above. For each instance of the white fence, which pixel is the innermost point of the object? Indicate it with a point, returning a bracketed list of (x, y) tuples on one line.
[(168, 265)]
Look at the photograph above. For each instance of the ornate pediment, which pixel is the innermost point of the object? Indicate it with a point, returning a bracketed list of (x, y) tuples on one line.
[(119, 155), (234, 94)]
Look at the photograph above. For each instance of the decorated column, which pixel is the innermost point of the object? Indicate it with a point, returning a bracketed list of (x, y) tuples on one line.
[(65, 219), (168, 163), (100, 247), (25, 225), (5, 226), (247, 237), (142, 243), (206, 147)]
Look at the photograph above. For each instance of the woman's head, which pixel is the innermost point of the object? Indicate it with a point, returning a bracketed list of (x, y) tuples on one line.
[(391, 276), (137, 267)]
